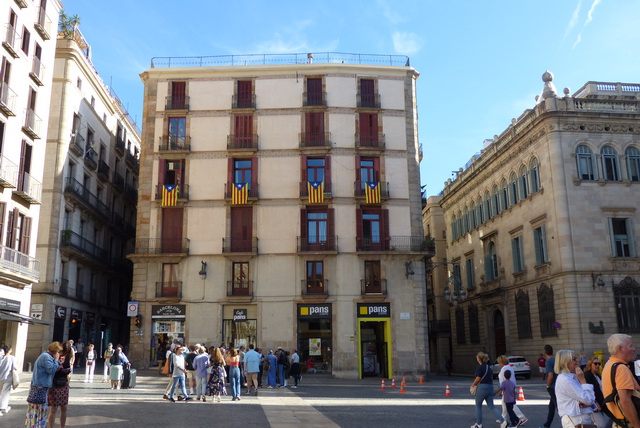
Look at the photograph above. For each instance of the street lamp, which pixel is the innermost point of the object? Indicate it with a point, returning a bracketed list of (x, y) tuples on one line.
[(458, 294)]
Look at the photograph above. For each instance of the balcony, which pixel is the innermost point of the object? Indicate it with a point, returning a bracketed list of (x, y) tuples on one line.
[(177, 103), (391, 244), (20, 263), (239, 102), (183, 192), (71, 242), (315, 139), (311, 99), (21, 3), (32, 123), (242, 142), (174, 143), (118, 181), (239, 245), (240, 288), (11, 41), (304, 189), (103, 171), (8, 173), (29, 189), (37, 71), (80, 291), (7, 100), (131, 193), (43, 25), (162, 246), (133, 161), (64, 287), (359, 190), (370, 141), (76, 145), (317, 244), (80, 193), (368, 100), (171, 289), (373, 287), (91, 158), (120, 144), (315, 287), (253, 190)]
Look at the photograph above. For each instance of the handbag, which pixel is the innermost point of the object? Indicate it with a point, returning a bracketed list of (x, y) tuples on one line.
[(15, 379), (584, 425), (37, 395), (89, 363), (165, 369), (473, 389)]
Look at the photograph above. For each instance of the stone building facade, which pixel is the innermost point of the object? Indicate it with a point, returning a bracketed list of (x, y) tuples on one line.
[(280, 205), (542, 227)]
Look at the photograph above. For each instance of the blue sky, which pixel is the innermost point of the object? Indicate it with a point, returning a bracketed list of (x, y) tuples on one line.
[(480, 62)]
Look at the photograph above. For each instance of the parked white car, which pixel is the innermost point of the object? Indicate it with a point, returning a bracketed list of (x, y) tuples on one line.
[(521, 366)]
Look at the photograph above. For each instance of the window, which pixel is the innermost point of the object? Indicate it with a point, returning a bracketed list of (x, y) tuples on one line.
[(610, 164), (171, 171), (1, 139), (315, 278), (471, 275), (317, 229), (540, 244), (368, 171), (460, 337), (523, 315), (513, 189), (491, 263), (372, 229), (621, 239), (487, 206), (633, 164), (79, 83), (495, 207), (170, 281), (24, 171), (504, 196), (314, 129), (474, 324), (244, 94), (243, 170), (90, 138), (178, 98), (177, 132), (314, 92), (472, 216), (26, 39), (456, 276), (315, 169), (479, 213), (586, 162), (240, 282), (93, 101), (368, 127), (454, 228), (243, 131), (534, 176), (546, 311), (465, 220), (368, 94), (517, 254), (18, 231), (372, 278), (241, 229), (523, 183), (627, 303)]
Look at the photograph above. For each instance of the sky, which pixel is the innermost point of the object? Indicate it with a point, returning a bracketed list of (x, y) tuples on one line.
[(480, 62)]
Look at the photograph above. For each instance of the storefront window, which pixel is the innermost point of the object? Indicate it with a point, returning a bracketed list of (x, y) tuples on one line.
[(239, 333)]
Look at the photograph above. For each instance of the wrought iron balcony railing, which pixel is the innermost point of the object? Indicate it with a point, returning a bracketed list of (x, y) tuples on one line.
[(359, 190), (172, 289), (32, 123), (91, 158), (243, 101), (118, 181), (120, 144), (177, 103), (18, 262), (174, 143), (131, 193), (239, 288), (240, 245), (64, 287), (80, 291), (374, 141), (76, 189), (314, 99), (304, 189), (368, 100), (317, 244), (242, 141), (373, 287), (162, 246), (103, 170), (183, 191), (28, 188), (391, 243), (315, 287), (253, 190), (315, 139), (77, 144), (11, 40), (133, 161), (37, 71), (71, 240), (43, 25), (7, 99), (8, 173)]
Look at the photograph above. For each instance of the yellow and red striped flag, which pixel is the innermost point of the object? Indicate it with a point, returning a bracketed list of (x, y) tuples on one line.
[(372, 192), (169, 195), (240, 194), (316, 192)]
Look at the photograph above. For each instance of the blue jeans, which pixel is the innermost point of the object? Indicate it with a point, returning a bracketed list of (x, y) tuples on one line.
[(178, 380), (234, 378), (485, 393), (281, 374)]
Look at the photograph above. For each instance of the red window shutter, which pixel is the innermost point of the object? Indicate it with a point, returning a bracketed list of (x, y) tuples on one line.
[(180, 174), (331, 228), (359, 230), (15, 218), (230, 171), (162, 169), (243, 125), (26, 235), (314, 87), (254, 173), (327, 173), (366, 89), (172, 230), (368, 124), (3, 208), (303, 223), (376, 168), (384, 219), (244, 90), (303, 170), (178, 91), (9, 229)]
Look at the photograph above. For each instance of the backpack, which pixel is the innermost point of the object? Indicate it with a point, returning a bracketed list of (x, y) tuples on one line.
[(188, 362), (613, 398), (171, 363)]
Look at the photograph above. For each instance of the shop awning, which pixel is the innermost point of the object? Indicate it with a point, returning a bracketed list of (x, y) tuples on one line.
[(16, 317)]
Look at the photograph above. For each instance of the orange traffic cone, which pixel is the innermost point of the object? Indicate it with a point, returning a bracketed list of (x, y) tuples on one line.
[(382, 387), (421, 381), (447, 391), (393, 383), (521, 395), (402, 385)]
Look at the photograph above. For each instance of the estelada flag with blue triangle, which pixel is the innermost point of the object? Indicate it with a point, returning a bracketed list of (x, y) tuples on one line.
[(372, 192), (316, 192), (240, 195), (169, 195)]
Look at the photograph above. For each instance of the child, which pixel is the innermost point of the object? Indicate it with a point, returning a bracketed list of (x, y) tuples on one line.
[(508, 390)]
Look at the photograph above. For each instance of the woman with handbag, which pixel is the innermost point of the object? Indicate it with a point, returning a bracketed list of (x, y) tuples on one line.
[(58, 394), (7, 367), (90, 357), (43, 370), (592, 376), (576, 398), (482, 388)]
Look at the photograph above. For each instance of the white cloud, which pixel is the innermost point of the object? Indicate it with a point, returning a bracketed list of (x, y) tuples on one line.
[(390, 15), (578, 40), (293, 39), (406, 43), (586, 22), (574, 19)]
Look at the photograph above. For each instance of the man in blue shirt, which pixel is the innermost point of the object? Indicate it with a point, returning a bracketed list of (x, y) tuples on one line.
[(252, 367), (551, 385)]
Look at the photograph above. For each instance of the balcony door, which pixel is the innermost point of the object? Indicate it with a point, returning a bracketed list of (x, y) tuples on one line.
[(240, 279), (172, 230), (241, 229), (177, 132), (315, 277), (372, 282)]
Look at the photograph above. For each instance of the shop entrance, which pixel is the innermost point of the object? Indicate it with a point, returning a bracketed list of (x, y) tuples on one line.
[(315, 337), (373, 349)]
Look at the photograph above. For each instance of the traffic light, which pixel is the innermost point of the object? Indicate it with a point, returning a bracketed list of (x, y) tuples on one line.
[(139, 321)]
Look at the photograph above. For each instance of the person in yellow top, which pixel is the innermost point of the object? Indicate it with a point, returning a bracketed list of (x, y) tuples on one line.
[(622, 351)]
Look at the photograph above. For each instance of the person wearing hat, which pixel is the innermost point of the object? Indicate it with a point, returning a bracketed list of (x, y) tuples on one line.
[(271, 366), (107, 364)]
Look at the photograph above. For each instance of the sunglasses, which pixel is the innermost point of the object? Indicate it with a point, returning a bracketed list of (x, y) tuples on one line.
[(596, 364)]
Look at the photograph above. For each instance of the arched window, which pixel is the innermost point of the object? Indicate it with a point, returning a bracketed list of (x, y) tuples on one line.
[(466, 220), (610, 164), (454, 228), (460, 225), (523, 315), (513, 189), (472, 216), (504, 195), (534, 176), (627, 295), (586, 163), (474, 324), (487, 206), (633, 163), (546, 311), (480, 215), (491, 263), (523, 183), (495, 207)]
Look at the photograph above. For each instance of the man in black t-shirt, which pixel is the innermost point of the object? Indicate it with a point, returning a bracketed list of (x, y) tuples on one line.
[(551, 385)]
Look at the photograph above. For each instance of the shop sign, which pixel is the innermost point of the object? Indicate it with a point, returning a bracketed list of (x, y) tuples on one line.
[(239, 315), (374, 310), (168, 311), (314, 311), (61, 313), (9, 305), (76, 315)]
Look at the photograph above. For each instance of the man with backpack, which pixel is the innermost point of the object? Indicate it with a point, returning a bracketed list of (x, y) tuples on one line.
[(622, 409)]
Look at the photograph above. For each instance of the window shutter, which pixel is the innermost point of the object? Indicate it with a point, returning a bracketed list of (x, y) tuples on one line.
[(515, 255), (303, 224), (14, 218), (488, 269), (230, 171), (180, 175), (359, 229), (327, 173), (331, 229), (303, 170), (537, 241), (162, 169), (3, 208), (613, 238), (384, 219), (26, 236), (376, 168), (254, 173)]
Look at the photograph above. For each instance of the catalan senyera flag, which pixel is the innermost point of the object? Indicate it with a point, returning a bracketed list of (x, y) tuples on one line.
[(240, 194), (316, 192), (372, 192), (169, 195)]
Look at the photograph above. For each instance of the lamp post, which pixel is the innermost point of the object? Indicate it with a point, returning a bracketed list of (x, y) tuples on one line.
[(458, 294)]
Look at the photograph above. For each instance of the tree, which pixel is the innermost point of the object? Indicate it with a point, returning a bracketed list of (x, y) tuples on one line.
[(67, 25)]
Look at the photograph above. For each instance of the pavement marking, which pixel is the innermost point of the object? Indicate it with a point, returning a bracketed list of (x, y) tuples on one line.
[(335, 402), (78, 421), (292, 411)]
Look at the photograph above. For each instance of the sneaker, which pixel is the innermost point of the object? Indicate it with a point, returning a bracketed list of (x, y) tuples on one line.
[(188, 399), (498, 421), (476, 426), (6, 410), (293, 386), (181, 398), (165, 397), (172, 400), (233, 399), (204, 399), (523, 421)]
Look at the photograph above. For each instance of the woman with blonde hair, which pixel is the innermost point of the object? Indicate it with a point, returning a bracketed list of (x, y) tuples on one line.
[(43, 370), (575, 397), (483, 386), (215, 385)]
